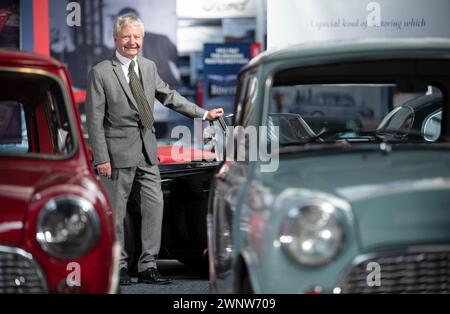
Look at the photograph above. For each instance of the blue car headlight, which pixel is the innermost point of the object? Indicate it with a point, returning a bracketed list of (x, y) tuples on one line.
[(68, 226), (312, 233)]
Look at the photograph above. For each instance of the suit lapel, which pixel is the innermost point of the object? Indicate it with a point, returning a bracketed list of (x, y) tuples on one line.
[(123, 81)]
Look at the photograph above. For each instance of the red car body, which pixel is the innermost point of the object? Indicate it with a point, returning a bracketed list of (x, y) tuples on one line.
[(28, 181)]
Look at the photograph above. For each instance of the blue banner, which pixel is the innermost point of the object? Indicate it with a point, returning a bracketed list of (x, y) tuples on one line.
[(222, 63)]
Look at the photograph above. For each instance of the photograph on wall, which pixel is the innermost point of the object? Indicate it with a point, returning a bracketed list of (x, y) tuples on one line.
[(10, 24), (81, 47)]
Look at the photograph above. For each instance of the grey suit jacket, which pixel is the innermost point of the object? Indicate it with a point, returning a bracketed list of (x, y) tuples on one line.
[(112, 114)]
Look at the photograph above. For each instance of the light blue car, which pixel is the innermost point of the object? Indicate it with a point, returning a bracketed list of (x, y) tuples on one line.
[(349, 207)]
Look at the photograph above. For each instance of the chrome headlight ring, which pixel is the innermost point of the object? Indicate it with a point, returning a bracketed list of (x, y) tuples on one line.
[(311, 234), (68, 226)]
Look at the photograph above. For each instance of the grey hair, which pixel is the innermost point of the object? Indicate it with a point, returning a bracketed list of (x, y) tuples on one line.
[(127, 19)]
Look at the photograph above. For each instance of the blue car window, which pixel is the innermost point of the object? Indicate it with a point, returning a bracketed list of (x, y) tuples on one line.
[(13, 131), (356, 112), (33, 116)]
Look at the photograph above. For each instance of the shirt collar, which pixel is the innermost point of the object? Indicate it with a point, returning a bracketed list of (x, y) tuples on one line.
[(124, 60)]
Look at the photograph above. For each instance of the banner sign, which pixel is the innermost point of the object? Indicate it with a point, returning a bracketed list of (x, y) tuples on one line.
[(222, 63), (216, 8), (301, 21)]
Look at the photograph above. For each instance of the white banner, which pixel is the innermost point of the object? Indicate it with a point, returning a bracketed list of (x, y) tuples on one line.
[(300, 21), (192, 38), (216, 8)]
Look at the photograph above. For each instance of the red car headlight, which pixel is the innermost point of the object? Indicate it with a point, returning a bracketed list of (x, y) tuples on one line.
[(68, 227)]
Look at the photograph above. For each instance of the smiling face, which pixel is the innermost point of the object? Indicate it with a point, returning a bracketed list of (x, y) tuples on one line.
[(129, 40)]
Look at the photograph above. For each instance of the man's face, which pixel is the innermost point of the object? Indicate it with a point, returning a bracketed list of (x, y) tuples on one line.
[(129, 41)]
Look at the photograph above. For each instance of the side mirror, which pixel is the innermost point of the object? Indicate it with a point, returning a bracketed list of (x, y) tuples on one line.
[(432, 127)]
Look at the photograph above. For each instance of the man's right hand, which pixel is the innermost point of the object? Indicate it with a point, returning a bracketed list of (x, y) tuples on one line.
[(213, 114), (104, 169)]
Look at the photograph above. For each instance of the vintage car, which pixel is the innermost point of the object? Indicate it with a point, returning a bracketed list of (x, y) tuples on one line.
[(351, 209), (56, 224), (186, 186)]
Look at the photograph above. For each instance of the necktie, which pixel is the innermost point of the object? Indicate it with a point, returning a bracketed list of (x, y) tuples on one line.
[(145, 113)]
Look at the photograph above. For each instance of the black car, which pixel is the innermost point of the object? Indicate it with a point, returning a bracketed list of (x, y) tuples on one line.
[(419, 118)]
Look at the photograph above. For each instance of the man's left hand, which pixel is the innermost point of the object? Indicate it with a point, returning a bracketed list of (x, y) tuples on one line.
[(213, 114)]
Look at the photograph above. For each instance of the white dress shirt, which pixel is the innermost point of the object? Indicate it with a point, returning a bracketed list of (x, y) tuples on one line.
[(125, 64)]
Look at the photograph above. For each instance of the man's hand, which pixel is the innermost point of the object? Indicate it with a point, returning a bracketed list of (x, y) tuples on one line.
[(213, 114), (104, 169)]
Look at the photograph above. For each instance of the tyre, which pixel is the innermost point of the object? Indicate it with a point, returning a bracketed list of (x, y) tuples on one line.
[(195, 262), (245, 286)]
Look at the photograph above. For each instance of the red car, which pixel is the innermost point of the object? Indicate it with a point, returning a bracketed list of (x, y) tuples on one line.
[(56, 223)]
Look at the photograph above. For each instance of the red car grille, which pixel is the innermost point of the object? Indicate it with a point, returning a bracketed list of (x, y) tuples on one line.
[(19, 273)]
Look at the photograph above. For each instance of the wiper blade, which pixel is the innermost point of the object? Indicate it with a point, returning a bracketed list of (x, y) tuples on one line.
[(321, 137), (399, 132)]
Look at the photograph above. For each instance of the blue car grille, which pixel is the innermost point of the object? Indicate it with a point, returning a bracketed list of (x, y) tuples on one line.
[(19, 273), (406, 272)]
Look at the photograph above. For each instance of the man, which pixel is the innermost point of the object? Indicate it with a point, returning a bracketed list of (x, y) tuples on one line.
[(120, 98)]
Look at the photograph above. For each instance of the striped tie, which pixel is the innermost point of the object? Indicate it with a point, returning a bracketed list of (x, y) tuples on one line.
[(145, 113)]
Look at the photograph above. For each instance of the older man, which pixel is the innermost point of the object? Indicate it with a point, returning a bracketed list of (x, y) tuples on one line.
[(120, 98)]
